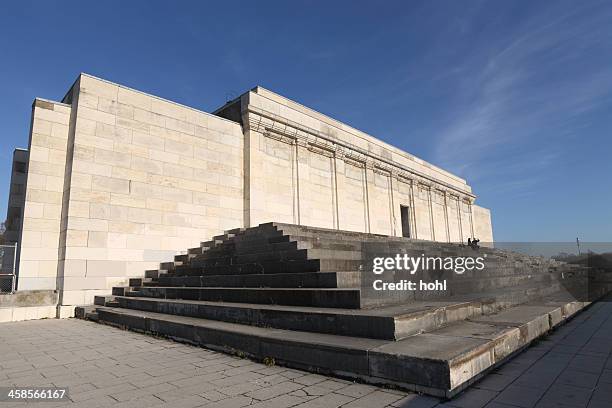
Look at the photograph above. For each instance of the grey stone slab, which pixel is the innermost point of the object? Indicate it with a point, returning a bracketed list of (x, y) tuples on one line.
[(416, 401), (603, 392), (512, 369), (327, 401), (563, 394), (191, 401), (236, 379), (495, 382), (520, 396), (238, 389), (598, 404), (274, 391), (132, 394), (472, 398), (422, 359), (233, 402), (317, 390), (356, 390), (213, 395), (101, 392), (606, 376), (589, 364), (578, 378), (537, 379), (377, 399), (282, 401), (178, 393), (310, 379), (567, 349)]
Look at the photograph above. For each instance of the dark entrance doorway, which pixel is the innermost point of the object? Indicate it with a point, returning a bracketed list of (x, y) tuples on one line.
[(405, 214)]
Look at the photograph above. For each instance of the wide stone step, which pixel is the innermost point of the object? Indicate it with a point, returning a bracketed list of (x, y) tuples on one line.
[(276, 280), (233, 248), (392, 323), (441, 362), (270, 267), (348, 322), (350, 279), (312, 265), (231, 259), (319, 297), (503, 296), (155, 273), (388, 322), (208, 250), (306, 232)]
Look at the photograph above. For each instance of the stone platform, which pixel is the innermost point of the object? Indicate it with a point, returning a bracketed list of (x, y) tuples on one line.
[(300, 297)]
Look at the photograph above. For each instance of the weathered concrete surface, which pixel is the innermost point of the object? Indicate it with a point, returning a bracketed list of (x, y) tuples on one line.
[(27, 305), (442, 362), (104, 366), (25, 298), (571, 367)]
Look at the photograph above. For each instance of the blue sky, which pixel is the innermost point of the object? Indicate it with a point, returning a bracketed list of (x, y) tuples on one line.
[(515, 96)]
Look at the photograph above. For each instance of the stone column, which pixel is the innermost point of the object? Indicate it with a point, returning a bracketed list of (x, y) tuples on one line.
[(301, 158), (368, 177), (296, 183), (340, 185), (393, 185), (413, 233), (334, 180), (431, 220), (446, 221), (471, 218)]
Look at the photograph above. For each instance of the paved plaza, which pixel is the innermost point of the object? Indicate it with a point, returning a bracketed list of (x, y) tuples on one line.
[(105, 366)]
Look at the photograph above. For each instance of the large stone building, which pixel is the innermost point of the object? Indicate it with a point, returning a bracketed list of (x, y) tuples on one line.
[(119, 180)]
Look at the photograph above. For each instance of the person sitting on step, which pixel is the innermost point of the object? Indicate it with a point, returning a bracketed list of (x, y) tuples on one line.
[(474, 243)]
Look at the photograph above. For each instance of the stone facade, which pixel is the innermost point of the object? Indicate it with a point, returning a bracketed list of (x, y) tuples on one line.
[(119, 180), (305, 168)]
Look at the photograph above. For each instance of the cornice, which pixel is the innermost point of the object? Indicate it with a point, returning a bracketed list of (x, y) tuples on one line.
[(284, 130)]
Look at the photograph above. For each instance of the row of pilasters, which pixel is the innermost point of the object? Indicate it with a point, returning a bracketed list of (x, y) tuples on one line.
[(371, 204)]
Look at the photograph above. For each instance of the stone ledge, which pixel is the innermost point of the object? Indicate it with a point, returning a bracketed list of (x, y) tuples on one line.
[(441, 363), (26, 298)]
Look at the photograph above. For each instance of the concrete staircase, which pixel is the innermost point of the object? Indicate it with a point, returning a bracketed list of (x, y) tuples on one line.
[(302, 296)]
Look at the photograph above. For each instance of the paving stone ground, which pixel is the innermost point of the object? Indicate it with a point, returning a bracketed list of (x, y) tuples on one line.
[(104, 366)]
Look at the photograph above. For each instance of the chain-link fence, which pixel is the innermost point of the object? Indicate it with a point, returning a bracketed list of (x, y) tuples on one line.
[(8, 256)]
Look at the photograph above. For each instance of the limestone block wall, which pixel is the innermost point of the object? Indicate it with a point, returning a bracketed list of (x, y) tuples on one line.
[(454, 225), (482, 224), (278, 162), (352, 194), (40, 230), (379, 202), (120, 180), (306, 168), (148, 178), (316, 187)]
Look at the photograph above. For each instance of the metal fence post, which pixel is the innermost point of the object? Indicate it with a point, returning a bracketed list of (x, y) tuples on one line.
[(13, 286)]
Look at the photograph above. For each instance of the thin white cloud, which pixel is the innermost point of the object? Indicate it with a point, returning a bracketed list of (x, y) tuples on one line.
[(522, 89)]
